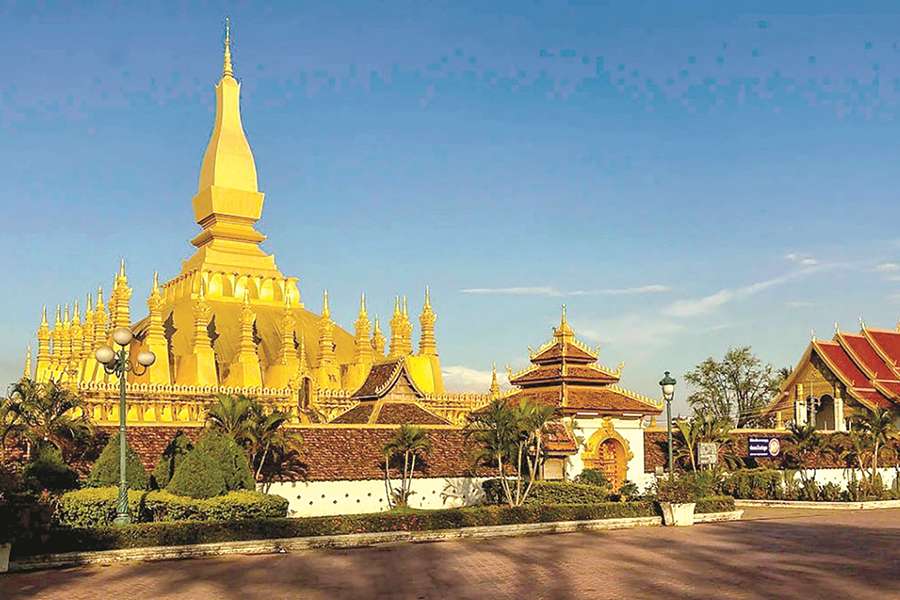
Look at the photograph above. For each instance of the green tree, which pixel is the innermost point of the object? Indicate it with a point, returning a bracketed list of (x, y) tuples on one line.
[(510, 437), (44, 413), (231, 414), (267, 439), (877, 427), (105, 471), (215, 457), (410, 443), (738, 387), (175, 451)]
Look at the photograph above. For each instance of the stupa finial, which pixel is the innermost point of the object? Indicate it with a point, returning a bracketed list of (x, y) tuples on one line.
[(227, 69)]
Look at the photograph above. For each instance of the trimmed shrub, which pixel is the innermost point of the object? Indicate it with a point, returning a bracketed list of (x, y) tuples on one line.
[(48, 471), (197, 532), (105, 471), (172, 456), (593, 477), (713, 504), (198, 476), (96, 507), (215, 461), (754, 484), (549, 493)]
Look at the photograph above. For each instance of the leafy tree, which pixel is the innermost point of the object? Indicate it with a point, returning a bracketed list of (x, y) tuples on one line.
[(877, 428), (738, 387), (510, 437), (198, 476), (48, 471), (231, 414), (174, 452), (44, 413), (409, 442), (690, 433), (105, 471)]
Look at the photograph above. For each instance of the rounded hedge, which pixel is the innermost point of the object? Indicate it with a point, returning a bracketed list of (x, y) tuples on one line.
[(216, 465), (48, 471), (106, 469), (172, 456)]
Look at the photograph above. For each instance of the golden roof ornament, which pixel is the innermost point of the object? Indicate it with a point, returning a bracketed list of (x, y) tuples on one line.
[(227, 69)]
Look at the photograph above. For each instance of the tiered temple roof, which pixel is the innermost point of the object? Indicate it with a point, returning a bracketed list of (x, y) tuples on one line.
[(866, 364), (565, 373)]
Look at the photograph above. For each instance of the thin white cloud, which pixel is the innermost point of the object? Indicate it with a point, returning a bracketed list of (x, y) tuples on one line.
[(804, 260), (630, 330), (799, 304), (556, 293), (465, 379), (887, 267), (701, 306)]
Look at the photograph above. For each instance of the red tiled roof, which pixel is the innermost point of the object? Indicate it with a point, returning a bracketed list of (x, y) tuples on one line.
[(893, 387), (545, 373), (887, 341), (558, 439), (838, 358), (398, 413), (378, 378), (555, 353), (358, 414), (874, 397), (606, 400), (863, 351)]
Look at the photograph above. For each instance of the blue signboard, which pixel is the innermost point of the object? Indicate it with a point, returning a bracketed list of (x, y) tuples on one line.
[(763, 447)]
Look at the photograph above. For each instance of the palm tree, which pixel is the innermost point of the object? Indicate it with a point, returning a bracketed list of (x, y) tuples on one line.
[(410, 442), (231, 414), (265, 432), (511, 438), (44, 413), (705, 428), (806, 442), (878, 428)]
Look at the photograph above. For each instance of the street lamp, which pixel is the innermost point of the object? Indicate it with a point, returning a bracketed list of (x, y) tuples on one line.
[(667, 384), (117, 363)]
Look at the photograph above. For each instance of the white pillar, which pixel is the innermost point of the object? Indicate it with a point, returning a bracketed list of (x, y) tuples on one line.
[(839, 411), (800, 415)]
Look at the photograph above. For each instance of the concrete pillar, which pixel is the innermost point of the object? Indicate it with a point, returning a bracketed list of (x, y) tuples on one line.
[(800, 415), (839, 411)]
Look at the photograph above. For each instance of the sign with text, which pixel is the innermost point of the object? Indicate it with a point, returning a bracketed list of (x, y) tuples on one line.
[(763, 447), (707, 453)]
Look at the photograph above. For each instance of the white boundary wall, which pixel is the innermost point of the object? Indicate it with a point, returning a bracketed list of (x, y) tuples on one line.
[(319, 498)]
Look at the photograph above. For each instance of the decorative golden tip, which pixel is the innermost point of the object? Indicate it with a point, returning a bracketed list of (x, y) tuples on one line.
[(377, 325), (89, 303), (405, 307), (862, 323), (58, 313), (155, 282), (76, 313), (563, 318), (427, 297), (326, 311), (99, 296), (227, 70), (44, 315), (362, 303), (396, 305), (122, 267), (837, 327)]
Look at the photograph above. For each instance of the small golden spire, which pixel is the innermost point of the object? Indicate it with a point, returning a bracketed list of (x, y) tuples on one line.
[(405, 307), (227, 70), (66, 318), (155, 282), (76, 314), (27, 371), (397, 305), (122, 268), (326, 311), (362, 305), (99, 296), (427, 297), (89, 304), (44, 315), (58, 316), (495, 385)]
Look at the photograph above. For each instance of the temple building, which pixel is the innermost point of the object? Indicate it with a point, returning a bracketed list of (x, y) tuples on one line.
[(231, 321), (838, 378), (600, 424)]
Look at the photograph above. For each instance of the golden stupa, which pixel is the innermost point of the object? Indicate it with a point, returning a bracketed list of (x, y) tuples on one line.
[(231, 321)]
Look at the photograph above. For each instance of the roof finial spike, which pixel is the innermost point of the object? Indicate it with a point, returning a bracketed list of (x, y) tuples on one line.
[(362, 304), (44, 315), (122, 267), (837, 327), (862, 323), (812, 333), (155, 282), (326, 311), (405, 307), (563, 319), (227, 70), (427, 296)]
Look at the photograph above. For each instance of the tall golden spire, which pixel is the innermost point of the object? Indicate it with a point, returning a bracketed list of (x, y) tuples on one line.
[(378, 341), (363, 345), (121, 311), (87, 339), (563, 333), (227, 70), (155, 339), (406, 330), (328, 370), (76, 335), (495, 385), (427, 342), (397, 328), (26, 373), (199, 367), (42, 372), (244, 371), (100, 320), (288, 326)]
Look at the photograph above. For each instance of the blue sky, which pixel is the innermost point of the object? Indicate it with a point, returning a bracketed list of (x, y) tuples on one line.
[(684, 180)]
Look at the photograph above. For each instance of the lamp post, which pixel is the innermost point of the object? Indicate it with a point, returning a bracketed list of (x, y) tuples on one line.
[(117, 363), (667, 383)]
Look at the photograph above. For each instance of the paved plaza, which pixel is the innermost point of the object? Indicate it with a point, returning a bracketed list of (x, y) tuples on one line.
[(774, 553)]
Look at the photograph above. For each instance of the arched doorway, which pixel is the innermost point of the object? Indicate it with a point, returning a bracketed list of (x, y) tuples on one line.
[(608, 452), (825, 413)]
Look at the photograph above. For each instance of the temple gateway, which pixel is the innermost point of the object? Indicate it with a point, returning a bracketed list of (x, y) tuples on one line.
[(231, 322)]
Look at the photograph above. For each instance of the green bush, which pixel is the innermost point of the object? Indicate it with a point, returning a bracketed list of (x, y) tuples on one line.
[(105, 471), (758, 484), (200, 532), (714, 504), (830, 492), (172, 456), (549, 492), (677, 489), (48, 471), (96, 507), (215, 461), (198, 476), (593, 477)]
